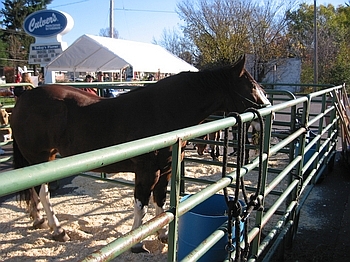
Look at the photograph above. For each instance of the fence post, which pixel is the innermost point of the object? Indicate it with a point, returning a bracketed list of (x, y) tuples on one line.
[(174, 199)]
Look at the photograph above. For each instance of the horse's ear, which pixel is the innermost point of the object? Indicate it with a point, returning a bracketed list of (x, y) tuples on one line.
[(239, 66)]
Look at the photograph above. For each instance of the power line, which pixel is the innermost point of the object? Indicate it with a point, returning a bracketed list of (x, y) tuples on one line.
[(144, 10), (73, 3)]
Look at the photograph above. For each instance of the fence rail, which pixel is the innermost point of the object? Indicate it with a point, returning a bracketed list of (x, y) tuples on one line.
[(300, 172)]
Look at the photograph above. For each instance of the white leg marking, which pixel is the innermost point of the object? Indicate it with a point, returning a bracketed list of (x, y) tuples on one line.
[(34, 209), (159, 210), (139, 213), (53, 222), (162, 233)]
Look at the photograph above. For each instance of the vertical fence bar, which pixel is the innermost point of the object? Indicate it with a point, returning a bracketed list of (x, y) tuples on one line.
[(266, 148), (174, 200)]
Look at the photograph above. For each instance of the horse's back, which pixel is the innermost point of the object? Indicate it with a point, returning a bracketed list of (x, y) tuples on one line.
[(39, 118)]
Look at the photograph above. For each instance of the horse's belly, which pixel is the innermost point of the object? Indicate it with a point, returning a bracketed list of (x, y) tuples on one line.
[(122, 166)]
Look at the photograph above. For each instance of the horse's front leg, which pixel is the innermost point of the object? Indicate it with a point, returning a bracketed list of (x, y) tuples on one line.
[(140, 210), (159, 195), (59, 234), (144, 183)]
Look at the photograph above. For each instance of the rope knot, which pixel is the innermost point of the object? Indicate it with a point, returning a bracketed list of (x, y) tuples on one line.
[(234, 209), (257, 202)]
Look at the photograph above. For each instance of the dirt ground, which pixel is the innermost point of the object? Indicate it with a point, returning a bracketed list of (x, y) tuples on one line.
[(324, 226), (94, 213)]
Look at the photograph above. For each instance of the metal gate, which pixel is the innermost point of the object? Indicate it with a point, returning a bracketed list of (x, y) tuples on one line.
[(304, 131)]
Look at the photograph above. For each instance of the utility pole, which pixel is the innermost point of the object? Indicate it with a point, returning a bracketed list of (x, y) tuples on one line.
[(315, 46), (111, 18)]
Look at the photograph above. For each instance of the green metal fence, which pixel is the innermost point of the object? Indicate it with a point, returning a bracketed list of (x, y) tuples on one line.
[(284, 189)]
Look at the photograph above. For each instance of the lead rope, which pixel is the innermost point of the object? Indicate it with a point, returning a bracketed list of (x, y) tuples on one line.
[(255, 200), (234, 206)]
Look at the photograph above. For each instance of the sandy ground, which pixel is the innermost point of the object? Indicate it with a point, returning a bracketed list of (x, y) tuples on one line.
[(94, 213)]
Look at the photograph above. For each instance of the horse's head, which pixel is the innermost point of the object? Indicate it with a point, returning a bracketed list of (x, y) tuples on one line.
[(244, 91)]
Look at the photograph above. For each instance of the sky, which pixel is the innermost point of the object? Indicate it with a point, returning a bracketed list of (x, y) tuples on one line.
[(138, 21), (135, 20)]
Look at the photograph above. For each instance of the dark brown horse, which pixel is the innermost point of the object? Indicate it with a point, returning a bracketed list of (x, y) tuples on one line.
[(214, 149), (55, 118)]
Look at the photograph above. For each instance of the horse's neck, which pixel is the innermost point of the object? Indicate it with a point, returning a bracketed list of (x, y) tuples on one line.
[(193, 99)]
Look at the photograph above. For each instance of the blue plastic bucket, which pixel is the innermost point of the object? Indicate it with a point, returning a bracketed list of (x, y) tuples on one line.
[(201, 221), (307, 155)]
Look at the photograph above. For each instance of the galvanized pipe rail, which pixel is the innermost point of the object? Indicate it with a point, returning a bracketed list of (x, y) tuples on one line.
[(20, 179), (297, 159)]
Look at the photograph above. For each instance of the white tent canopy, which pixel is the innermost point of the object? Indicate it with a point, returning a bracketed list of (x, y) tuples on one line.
[(95, 53)]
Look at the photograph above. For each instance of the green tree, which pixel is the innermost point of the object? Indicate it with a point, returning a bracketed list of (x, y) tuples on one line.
[(333, 30), (12, 16), (3, 53), (218, 29)]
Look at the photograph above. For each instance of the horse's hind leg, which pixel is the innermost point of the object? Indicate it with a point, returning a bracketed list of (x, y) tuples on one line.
[(59, 233), (212, 152), (34, 209)]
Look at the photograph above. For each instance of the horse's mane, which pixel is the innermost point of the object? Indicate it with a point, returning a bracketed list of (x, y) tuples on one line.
[(220, 74)]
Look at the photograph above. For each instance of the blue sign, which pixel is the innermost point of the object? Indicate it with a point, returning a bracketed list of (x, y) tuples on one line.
[(45, 23)]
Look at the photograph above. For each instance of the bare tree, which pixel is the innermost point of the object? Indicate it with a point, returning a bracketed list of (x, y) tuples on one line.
[(222, 30), (218, 29), (268, 35), (177, 44), (106, 32)]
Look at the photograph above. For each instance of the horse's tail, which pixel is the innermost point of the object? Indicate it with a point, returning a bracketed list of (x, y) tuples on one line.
[(18, 162), (18, 159)]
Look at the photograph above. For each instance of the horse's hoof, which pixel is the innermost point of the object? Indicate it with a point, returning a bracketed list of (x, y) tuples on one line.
[(163, 239), (139, 248), (61, 237), (40, 224), (54, 185), (163, 235)]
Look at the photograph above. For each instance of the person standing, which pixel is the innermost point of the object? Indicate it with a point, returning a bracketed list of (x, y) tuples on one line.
[(100, 77), (89, 79), (18, 90)]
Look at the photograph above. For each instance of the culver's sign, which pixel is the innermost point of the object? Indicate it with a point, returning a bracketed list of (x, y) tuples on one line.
[(47, 23)]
